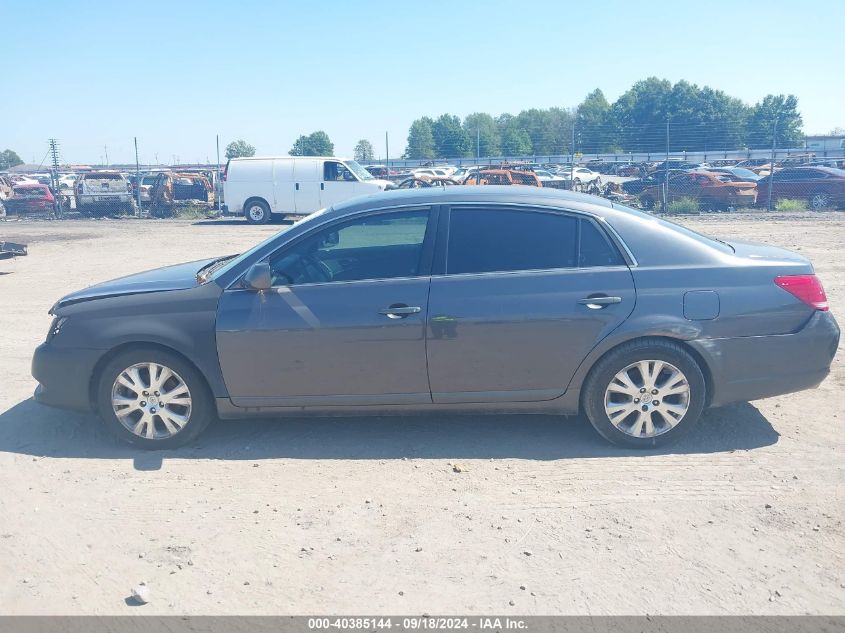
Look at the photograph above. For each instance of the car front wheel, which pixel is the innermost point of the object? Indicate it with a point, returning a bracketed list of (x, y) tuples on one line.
[(644, 394), (153, 399)]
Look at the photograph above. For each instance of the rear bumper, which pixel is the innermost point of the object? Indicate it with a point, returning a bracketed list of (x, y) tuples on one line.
[(754, 367), (64, 376)]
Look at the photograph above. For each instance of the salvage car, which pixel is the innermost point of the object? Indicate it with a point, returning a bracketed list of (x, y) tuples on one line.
[(501, 299), (101, 193), (30, 199), (821, 187), (503, 177), (171, 189), (712, 191)]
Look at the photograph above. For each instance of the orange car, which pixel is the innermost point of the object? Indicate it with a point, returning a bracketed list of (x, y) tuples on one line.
[(712, 190), (504, 177)]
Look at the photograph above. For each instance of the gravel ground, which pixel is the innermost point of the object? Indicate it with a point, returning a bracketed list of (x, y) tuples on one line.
[(367, 515)]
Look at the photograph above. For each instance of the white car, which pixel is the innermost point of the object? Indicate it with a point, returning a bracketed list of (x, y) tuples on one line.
[(544, 176), (581, 176), (433, 172), (258, 188)]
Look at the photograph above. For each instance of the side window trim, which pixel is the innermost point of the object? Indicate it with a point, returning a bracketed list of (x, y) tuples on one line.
[(439, 264)]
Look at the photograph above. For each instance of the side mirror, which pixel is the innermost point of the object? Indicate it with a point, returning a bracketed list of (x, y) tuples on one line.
[(258, 277)]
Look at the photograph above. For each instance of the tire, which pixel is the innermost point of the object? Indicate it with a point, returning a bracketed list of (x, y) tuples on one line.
[(257, 212), (158, 425), (658, 425), (819, 201)]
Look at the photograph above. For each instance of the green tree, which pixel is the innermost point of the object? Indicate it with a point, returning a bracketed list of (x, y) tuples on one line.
[(9, 158), (481, 127), (315, 144), (550, 130), (640, 115), (594, 124), (450, 138), (515, 141), (762, 118), (239, 149), (420, 140), (364, 150)]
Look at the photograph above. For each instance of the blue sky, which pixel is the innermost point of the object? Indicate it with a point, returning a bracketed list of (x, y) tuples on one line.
[(175, 74)]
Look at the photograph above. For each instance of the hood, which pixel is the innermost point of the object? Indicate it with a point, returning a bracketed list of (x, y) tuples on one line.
[(177, 277), (379, 181)]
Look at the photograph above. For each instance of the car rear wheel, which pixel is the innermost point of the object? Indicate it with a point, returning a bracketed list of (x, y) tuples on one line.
[(153, 399), (257, 212), (644, 394), (819, 201)]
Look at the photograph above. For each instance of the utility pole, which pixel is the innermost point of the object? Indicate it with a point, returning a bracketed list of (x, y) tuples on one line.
[(772, 163), (106, 152), (137, 178), (217, 192), (387, 153), (666, 174), (572, 162), (54, 176)]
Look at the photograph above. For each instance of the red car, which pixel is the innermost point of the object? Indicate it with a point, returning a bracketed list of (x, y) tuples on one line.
[(820, 187), (29, 198)]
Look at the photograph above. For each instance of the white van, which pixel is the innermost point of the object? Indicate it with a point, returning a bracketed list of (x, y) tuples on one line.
[(292, 185)]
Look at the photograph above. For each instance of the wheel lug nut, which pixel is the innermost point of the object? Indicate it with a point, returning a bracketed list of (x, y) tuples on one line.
[(645, 407), (143, 403), (153, 410), (656, 402), (636, 400), (146, 393), (158, 394), (642, 389), (653, 391)]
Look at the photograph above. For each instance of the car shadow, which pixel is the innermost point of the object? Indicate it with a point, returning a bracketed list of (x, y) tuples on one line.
[(29, 428)]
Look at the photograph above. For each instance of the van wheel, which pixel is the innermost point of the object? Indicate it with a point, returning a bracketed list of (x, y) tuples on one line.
[(257, 212), (819, 201), (644, 394)]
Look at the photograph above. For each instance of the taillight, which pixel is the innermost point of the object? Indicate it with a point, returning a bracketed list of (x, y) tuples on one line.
[(807, 288)]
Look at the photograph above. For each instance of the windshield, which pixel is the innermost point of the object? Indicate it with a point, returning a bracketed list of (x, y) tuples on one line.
[(359, 171), (744, 173), (228, 264), (711, 241)]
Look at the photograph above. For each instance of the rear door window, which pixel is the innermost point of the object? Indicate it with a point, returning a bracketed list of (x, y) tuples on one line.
[(483, 240)]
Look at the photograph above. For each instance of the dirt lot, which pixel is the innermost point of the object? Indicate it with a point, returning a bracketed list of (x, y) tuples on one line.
[(366, 515)]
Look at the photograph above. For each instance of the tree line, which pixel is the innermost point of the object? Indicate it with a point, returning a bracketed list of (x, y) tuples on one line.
[(698, 119)]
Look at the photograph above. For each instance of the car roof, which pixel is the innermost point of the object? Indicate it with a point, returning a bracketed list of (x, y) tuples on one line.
[(500, 194)]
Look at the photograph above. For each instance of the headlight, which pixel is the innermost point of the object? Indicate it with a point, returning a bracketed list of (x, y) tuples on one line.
[(56, 327)]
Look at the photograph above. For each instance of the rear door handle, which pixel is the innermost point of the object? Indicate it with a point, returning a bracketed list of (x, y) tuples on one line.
[(399, 311), (597, 303)]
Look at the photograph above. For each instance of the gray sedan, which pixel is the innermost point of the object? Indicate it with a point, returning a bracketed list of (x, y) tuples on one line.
[(503, 299)]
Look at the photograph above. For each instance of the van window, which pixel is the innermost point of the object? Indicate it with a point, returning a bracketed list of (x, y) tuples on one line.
[(333, 171)]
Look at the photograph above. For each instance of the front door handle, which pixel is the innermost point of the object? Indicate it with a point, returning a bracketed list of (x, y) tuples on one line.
[(599, 302), (399, 311)]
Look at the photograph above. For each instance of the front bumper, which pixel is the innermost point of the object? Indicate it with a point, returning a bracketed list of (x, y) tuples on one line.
[(64, 376), (754, 367)]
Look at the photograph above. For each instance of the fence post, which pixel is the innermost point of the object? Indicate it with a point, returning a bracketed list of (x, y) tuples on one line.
[(772, 164)]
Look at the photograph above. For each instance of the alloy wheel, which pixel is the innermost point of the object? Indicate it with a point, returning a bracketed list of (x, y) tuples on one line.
[(820, 201), (647, 398), (151, 400)]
